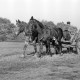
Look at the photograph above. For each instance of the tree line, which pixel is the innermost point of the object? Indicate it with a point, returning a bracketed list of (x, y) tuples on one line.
[(7, 29)]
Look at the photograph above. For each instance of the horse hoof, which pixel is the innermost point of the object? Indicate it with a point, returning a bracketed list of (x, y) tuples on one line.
[(39, 55), (51, 55), (61, 54)]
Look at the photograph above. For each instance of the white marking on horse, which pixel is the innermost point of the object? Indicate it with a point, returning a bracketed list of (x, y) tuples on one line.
[(26, 41), (55, 40)]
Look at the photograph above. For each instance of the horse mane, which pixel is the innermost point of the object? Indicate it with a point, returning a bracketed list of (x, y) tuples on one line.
[(40, 24), (22, 23)]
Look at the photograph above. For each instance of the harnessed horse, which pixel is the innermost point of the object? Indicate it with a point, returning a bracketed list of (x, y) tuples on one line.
[(30, 30), (54, 36), (58, 34), (42, 35), (36, 30)]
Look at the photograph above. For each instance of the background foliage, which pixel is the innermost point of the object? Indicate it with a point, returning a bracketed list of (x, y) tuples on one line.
[(7, 29)]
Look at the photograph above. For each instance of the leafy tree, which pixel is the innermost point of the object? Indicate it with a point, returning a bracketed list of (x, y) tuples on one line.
[(49, 24), (4, 21), (6, 28)]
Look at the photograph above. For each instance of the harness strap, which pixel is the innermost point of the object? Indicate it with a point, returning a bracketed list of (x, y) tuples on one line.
[(55, 40)]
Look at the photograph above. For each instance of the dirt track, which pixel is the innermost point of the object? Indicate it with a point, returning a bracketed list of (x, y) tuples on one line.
[(14, 67)]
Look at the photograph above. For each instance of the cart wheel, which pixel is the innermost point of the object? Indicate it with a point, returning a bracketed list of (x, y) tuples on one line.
[(78, 47)]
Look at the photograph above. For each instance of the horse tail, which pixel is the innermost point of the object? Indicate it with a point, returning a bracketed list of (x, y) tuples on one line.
[(60, 32)]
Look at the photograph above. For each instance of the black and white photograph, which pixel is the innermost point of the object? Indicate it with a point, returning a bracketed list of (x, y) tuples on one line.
[(39, 39)]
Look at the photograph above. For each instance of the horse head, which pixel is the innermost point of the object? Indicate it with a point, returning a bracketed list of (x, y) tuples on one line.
[(21, 27), (35, 28)]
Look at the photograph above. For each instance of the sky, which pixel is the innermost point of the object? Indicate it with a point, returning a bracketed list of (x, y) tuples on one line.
[(50, 10)]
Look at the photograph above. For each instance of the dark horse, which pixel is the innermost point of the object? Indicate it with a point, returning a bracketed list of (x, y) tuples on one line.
[(45, 36), (36, 30), (58, 34), (53, 37)]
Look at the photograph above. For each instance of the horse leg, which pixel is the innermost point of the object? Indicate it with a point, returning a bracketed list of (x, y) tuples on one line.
[(40, 49), (56, 49), (46, 49), (55, 46), (60, 47), (35, 47), (49, 50), (60, 50), (24, 48), (30, 39)]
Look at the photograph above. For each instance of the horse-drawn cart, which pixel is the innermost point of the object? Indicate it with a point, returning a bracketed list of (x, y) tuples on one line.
[(72, 45)]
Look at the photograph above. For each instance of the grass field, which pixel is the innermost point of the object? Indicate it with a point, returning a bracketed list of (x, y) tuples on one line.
[(14, 67)]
